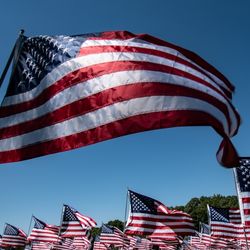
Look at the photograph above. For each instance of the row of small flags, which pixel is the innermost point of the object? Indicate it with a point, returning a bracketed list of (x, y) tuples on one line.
[(149, 223)]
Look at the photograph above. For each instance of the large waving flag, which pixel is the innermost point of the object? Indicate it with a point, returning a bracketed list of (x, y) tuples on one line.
[(13, 237), (74, 224), (72, 91), (148, 216)]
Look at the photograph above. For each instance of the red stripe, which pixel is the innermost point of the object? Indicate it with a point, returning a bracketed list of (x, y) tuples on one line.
[(246, 211), (187, 53), (115, 48), (88, 73), (115, 129), (106, 98), (245, 200)]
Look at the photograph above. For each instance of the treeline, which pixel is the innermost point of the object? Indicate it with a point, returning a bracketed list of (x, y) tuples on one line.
[(196, 207)]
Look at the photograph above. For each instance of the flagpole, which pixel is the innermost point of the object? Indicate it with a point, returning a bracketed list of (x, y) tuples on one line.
[(240, 205), (126, 209), (61, 221), (15, 49)]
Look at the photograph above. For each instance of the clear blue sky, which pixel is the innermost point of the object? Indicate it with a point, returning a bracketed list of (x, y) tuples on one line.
[(172, 165)]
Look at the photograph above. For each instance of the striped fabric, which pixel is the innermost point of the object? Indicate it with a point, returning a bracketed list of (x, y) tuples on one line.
[(43, 232), (41, 246), (150, 217), (13, 237), (72, 91), (74, 224), (226, 223), (242, 178)]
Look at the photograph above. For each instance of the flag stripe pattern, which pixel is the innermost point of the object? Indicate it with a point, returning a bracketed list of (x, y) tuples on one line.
[(150, 217), (74, 224), (226, 223), (68, 90), (111, 236), (13, 237), (242, 178), (43, 232)]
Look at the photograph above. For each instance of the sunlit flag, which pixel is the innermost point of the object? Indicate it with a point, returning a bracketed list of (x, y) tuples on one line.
[(242, 178), (13, 236), (72, 91), (44, 232), (148, 216), (226, 223), (74, 224), (111, 236)]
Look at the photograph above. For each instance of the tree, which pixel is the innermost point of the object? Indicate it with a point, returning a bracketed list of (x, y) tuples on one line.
[(197, 207)]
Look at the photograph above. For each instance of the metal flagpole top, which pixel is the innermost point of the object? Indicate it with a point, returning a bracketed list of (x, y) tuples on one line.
[(16, 46)]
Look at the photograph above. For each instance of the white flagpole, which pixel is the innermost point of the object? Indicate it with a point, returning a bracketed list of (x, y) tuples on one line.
[(240, 205), (126, 210)]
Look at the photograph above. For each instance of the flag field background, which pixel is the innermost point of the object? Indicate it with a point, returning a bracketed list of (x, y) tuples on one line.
[(162, 163)]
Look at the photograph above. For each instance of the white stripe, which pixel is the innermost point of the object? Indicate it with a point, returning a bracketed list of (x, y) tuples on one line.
[(99, 84), (86, 61), (110, 114), (132, 43), (169, 230)]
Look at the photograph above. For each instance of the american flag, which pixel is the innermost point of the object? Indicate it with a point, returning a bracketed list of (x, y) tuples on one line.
[(81, 243), (215, 242), (43, 232), (150, 217), (242, 178), (111, 236), (204, 228), (196, 243), (75, 224), (72, 91), (163, 243), (143, 244), (64, 244), (226, 223), (13, 237), (98, 245), (41, 246)]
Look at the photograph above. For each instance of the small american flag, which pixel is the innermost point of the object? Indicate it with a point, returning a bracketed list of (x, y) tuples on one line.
[(143, 244), (13, 237), (226, 223), (98, 245), (242, 177), (111, 236), (41, 246), (43, 232), (75, 224), (150, 217), (72, 91)]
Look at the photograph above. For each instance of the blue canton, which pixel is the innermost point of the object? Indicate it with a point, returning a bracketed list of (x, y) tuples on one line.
[(39, 224), (10, 230), (39, 56), (243, 175), (107, 230), (219, 214), (68, 214), (142, 204)]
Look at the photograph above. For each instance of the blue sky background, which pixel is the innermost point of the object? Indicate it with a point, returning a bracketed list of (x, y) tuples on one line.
[(171, 165)]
